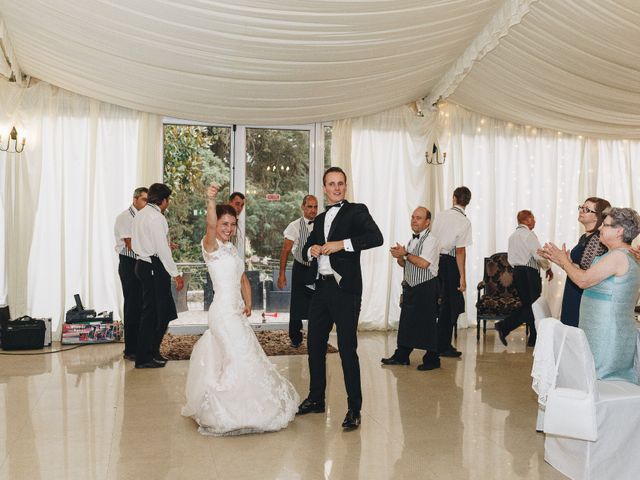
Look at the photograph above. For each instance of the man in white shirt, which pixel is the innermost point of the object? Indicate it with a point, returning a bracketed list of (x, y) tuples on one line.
[(523, 257), (418, 326), (155, 268), (131, 286), (339, 234), (452, 228), (295, 236)]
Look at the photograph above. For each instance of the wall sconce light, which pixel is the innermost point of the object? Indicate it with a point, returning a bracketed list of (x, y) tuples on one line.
[(433, 157), (13, 136)]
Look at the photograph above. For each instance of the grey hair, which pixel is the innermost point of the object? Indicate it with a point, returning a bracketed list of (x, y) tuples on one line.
[(626, 218), (137, 193)]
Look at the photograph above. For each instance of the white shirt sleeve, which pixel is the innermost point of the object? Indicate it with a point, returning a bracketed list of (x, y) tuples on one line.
[(465, 239), (348, 247), (292, 232), (430, 250), (159, 235)]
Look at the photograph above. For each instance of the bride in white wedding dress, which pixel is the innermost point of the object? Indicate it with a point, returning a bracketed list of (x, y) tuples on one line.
[(232, 387)]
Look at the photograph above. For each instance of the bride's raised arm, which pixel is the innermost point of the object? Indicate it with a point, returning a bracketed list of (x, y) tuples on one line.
[(209, 240)]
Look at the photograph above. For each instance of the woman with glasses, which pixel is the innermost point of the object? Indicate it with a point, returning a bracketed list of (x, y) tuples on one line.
[(611, 287), (590, 215)]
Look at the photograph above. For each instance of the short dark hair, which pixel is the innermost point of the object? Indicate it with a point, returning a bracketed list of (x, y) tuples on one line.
[(157, 193), (236, 194), (601, 205), (226, 210), (137, 193), (462, 196), (333, 170), (306, 199)]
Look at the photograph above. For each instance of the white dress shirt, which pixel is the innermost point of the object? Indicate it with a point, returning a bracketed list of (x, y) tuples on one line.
[(523, 247), (324, 265), (149, 237), (123, 229), (452, 229)]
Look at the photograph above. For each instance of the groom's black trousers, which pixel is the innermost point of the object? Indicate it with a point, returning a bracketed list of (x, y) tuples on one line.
[(331, 305)]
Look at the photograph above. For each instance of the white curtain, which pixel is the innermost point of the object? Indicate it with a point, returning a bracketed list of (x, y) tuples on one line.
[(389, 175), (508, 168), (82, 160)]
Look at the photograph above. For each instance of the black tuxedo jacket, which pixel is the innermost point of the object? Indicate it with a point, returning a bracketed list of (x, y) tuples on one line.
[(353, 222)]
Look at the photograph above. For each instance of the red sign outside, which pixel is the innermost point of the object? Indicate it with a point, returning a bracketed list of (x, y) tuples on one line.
[(273, 197)]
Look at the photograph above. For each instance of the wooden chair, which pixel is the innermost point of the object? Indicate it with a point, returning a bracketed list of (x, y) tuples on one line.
[(497, 296)]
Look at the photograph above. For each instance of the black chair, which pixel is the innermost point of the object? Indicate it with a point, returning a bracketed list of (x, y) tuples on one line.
[(497, 296)]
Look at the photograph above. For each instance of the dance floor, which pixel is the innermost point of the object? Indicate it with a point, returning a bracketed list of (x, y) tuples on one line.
[(88, 414)]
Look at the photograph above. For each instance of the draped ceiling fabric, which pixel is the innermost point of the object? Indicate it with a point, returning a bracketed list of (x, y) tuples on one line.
[(256, 62)]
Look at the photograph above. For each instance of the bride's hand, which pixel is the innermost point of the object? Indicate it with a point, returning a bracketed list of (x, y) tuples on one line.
[(212, 191), (247, 310)]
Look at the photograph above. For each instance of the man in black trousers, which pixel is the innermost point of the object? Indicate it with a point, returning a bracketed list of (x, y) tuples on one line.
[(155, 268), (339, 234), (131, 286)]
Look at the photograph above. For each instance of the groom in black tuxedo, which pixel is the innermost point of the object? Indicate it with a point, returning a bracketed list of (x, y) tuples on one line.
[(339, 234)]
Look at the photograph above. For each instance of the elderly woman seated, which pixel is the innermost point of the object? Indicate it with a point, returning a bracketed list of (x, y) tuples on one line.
[(611, 287)]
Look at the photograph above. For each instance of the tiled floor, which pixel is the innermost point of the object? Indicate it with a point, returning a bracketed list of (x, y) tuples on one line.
[(88, 414)]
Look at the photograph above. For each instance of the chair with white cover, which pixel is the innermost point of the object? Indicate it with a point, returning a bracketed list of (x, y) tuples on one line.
[(592, 426)]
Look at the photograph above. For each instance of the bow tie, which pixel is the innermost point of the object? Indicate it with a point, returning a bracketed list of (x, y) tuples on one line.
[(309, 222), (416, 235), (339, 204)]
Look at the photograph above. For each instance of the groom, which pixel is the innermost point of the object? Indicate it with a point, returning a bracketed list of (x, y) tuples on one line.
[(339, 234)]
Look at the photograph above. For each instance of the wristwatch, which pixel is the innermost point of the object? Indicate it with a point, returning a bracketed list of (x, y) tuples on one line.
[(405, 257)]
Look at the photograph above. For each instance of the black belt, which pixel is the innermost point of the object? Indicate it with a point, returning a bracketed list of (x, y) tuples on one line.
[(326, 277)]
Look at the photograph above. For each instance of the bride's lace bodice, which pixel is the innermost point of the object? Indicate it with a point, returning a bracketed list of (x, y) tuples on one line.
[(225, 268)]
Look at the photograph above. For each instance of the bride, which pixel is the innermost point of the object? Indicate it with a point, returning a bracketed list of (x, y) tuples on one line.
[(232, 387)]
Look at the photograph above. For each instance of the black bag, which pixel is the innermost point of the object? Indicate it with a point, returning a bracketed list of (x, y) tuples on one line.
[(24, 333), (80, 314)]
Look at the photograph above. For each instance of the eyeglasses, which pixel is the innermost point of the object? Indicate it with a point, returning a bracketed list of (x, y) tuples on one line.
[(583, 209), (611, 225)]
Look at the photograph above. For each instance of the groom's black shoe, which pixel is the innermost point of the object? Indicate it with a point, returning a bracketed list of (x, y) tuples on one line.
[(310, 406), (351, 420), (160, 359), (394, 361), (150, 364)]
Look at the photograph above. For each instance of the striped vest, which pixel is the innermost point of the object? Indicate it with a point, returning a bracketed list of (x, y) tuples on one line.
[(302, 240), (414, 275), (532, 261), (125, 251)]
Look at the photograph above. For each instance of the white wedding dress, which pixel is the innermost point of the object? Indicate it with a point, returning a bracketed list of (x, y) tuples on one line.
[(232, 387)]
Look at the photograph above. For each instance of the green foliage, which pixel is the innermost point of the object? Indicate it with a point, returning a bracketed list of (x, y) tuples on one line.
[(277, 163)]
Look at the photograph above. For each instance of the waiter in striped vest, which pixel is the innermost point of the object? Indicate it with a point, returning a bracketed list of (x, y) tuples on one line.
[(418, 326), (523, 257), (295, 236), (131, 286)]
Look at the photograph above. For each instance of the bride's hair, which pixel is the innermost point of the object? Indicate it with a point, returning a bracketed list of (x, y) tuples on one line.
[(225, 210)]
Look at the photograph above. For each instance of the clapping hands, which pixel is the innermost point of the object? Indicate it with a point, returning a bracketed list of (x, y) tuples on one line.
[(551, 252)]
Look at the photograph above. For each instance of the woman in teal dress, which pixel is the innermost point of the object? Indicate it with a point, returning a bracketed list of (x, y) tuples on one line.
[(611, 288)]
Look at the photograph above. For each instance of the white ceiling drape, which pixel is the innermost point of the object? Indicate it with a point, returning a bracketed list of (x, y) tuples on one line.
[(273, 61)]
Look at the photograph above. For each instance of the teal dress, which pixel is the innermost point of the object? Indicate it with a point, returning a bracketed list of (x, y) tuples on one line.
[(608, 320)]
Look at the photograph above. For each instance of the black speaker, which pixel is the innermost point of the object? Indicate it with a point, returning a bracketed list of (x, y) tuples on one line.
[(24, 333)]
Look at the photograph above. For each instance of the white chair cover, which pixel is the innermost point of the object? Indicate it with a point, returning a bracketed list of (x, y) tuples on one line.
[(614, 453)]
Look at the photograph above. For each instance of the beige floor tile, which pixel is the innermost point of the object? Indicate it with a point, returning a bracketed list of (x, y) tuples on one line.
[(87, 413)]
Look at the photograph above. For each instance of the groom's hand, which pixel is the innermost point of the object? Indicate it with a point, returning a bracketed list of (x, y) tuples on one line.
[(316, 251), (332, 247)]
